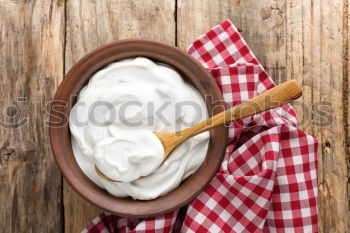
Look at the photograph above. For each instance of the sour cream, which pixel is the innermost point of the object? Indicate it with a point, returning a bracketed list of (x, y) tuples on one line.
[(128, 154), (113, 121)]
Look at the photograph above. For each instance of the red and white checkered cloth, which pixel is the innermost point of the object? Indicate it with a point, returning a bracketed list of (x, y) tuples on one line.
[(268, 179)]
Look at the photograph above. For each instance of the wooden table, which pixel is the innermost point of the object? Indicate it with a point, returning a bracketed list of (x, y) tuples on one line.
[(40, 40)]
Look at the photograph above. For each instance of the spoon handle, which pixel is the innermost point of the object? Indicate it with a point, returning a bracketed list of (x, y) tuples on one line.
[(269, 99)]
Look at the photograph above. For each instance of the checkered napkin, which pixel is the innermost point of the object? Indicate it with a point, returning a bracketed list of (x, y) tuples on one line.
[(268, 179)]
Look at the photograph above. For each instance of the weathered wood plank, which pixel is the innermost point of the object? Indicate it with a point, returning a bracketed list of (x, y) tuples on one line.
[(346, 100), (317, 51), (31, 66), (91, 24), (306, 41)]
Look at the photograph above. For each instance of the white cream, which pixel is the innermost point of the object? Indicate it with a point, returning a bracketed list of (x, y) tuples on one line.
[(128, 154), (112, 124)]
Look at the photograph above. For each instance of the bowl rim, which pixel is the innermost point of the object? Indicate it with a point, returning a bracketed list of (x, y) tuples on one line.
[(61, 147)]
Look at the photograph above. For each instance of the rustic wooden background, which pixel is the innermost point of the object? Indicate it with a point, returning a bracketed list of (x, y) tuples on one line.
[(40, 40)]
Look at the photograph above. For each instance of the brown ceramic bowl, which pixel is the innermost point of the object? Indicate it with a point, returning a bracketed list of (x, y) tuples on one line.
[(65, 98)]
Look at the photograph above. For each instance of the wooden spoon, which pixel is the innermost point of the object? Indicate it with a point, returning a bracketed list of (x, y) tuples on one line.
[(269, 99)]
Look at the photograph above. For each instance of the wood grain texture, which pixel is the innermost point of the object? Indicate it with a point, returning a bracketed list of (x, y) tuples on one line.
[(306, 41), (91, 24), (31, 66), (317, 51)]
